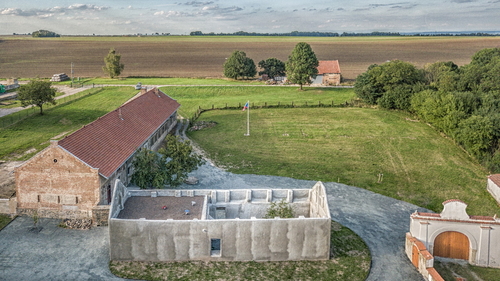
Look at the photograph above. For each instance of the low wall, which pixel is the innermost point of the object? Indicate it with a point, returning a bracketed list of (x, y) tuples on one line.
[(493, 188), (8, 206), (421, 258), (240, 239)]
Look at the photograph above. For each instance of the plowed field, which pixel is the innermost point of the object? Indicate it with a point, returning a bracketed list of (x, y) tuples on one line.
[(186, 56)]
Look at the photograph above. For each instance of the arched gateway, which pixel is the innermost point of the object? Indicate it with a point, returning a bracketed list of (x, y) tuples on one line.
[(452, 244)]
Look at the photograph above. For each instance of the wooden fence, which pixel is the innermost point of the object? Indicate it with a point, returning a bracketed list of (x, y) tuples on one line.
[(292, 104), (15, 117)]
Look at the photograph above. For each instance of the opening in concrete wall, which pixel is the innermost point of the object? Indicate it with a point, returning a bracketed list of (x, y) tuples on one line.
[(215, 247)]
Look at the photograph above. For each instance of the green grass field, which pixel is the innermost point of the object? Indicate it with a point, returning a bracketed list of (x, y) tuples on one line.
[(192, 98), (35, 131), (351, 146), (351, 261), (159, 81)]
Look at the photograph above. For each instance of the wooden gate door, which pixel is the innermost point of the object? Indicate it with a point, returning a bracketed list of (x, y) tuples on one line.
[(414, 256), (452, 244)]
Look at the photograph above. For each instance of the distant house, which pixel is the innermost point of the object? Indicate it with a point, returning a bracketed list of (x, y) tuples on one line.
[(72, 178), (328, 73)]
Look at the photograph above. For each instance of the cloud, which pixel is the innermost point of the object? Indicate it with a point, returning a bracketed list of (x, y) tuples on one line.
[(463, 1), (46, 13), (197, 4)]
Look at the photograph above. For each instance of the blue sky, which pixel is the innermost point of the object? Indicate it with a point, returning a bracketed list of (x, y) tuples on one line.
[(182, 17)]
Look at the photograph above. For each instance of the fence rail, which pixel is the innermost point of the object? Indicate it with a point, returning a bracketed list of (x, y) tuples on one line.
[(292, 104), (15, 117)]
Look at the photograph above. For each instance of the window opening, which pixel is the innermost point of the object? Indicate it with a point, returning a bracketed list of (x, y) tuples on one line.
[(215, 247)]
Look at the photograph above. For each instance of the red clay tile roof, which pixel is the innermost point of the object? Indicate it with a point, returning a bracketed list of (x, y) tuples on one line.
[(454, 200), (328, 66), (110, 140), (495, 179)]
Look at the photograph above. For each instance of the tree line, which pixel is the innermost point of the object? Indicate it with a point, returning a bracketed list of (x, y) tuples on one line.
[(301, 66), (336, 34), (461, 102)]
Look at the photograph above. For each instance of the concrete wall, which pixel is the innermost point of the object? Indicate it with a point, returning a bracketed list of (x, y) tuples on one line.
[(241, 240), (56, 184), (8, 206), (494, 189), (483, 232)]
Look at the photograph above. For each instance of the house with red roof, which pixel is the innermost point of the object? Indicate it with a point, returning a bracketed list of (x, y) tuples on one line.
[(73, 177), (328, 73)]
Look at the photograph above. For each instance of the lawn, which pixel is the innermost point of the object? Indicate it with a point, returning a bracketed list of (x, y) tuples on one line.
[(451, 270), (33, 133), (350, 261), (4, 220), (192, 98), (383, 151)]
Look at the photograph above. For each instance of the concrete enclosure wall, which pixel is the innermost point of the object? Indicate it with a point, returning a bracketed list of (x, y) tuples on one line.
[(493, 187), (240, 240), (242, 237)]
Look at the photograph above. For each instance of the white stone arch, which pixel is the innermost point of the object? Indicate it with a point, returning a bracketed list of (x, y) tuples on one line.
[(473, 244)]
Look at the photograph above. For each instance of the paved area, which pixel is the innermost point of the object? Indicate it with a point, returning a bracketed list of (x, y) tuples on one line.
[(64, 254), (54, 253)]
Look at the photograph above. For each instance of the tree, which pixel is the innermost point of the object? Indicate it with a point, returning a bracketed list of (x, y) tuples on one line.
[(37, 92), (149, 169), (239, 65), (397, 79), (279, 209), (180, 159), (170, 165), (302, 64), (272, 67), (475, 134), (113, 67)]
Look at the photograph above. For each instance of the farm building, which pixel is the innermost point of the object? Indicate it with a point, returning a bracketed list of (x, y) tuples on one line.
[(494, 186), (72, 178), (328, 73), (453, 234), (218, 225)]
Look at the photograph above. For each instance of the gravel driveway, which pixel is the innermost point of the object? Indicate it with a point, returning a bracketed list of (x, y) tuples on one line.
[(64, 254)]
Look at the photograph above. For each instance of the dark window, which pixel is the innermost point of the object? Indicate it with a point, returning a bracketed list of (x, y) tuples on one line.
[(215, 247)]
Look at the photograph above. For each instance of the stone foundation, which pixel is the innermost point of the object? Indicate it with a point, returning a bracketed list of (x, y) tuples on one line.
[(100, 215)]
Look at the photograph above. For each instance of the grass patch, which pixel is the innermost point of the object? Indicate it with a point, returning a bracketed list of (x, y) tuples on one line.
[(351, 146), (34, 132), (450, 270), (4, 220), (350, 261), (191, 98)]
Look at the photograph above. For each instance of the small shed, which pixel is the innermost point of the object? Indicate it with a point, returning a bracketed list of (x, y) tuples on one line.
[(328, 73)]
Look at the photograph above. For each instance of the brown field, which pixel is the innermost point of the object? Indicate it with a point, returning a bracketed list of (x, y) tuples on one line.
[(186, 56)]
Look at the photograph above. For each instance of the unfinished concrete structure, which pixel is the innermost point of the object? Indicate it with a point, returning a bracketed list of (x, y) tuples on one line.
[(221, 225), (72, 178), (452, 234)]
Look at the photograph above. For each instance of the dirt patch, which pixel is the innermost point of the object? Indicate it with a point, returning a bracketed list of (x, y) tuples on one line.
[(7, 180)]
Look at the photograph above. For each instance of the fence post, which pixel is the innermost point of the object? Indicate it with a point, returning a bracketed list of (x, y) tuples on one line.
[(265, 104)]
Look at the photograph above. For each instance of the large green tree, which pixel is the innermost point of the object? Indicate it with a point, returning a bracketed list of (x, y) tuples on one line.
[(113, 67), (397, 79), (169, 166), (37, 92), (272, 67), (239, 65), (302, 65), (180, 159)]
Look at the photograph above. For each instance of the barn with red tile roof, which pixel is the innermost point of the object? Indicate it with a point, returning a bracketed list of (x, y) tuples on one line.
[(73, 177), (328, 73)]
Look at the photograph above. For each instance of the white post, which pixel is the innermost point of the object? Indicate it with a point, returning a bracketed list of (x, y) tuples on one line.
[(248, 120)]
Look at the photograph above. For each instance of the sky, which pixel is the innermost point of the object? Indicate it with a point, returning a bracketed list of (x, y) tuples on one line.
[(116, 17)]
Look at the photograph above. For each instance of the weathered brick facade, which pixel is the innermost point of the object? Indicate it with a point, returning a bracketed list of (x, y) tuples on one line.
[(73, 177)]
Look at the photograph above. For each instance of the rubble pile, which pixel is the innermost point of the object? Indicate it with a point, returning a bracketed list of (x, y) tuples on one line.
[(200, 125), (77, 223)]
